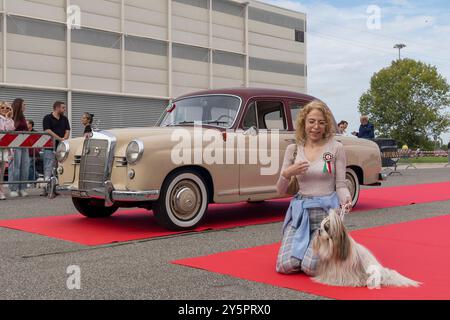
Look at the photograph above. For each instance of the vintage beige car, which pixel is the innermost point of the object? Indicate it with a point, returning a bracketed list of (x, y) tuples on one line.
[(222, 132)]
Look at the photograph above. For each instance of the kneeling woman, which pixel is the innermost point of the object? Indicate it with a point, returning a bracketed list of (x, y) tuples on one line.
[(319, 164)]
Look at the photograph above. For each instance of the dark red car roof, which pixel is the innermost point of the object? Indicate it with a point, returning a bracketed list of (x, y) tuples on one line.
[(246, 93)]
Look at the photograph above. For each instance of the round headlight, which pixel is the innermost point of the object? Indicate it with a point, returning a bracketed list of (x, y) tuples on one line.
[(135, 150), (62, 152)]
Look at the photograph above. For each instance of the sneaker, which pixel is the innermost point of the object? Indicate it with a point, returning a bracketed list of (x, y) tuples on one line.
[(13, 194), (23, 193), (2, 196)]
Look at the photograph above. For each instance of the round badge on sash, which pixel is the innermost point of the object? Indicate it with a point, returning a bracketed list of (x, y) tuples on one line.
[(327, 158)]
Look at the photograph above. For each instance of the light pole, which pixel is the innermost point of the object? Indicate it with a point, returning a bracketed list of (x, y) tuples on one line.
[(399, 46)]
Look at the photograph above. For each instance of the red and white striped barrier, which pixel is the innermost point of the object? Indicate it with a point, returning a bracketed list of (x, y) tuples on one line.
[(25, 140)]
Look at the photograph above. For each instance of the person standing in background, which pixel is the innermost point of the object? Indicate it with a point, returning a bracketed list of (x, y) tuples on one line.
[(366, 129), (86, 121), (34, 155), (21, 159), (6, 124), (56, 125), (448, 151), (343, 127)]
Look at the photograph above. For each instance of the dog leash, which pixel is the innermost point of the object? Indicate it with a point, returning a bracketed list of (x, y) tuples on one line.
[(344, 210)]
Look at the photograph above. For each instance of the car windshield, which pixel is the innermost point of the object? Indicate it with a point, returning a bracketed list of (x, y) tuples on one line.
[(217, 110)]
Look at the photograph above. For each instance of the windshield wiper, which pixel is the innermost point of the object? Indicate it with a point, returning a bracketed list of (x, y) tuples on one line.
[(193, 122), (215, 121), (179, 123)]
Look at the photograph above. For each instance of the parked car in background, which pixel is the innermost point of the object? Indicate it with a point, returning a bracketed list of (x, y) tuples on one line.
[(134, 167)]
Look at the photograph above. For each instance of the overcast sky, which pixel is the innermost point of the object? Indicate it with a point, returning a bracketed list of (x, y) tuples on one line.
[(343, 52)]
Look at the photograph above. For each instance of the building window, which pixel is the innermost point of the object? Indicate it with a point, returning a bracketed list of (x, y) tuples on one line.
[(299, 36), (183, 51), (97, 38), (36, 28), (228, 59), (274, 66)]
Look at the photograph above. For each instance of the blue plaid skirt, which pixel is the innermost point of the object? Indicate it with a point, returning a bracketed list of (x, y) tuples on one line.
[(286, 263)]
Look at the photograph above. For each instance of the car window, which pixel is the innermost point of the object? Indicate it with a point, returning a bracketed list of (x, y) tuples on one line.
[(219, 110), (250, 117), (295, 108), (271, 115)]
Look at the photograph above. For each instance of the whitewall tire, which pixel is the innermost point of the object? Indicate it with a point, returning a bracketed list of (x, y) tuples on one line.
[(351, 178), (183, 201)]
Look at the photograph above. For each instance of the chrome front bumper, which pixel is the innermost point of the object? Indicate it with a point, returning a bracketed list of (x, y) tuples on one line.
[(109, 194)]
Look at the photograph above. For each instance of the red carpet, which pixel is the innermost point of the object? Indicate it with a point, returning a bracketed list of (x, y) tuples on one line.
[(418, 249), (379, 198), (140, 224)]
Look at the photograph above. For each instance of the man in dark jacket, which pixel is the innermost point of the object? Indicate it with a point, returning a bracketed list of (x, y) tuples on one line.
[(366, 129), (448, 151)]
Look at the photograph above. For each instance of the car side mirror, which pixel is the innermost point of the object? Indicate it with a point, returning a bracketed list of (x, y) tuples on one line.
[(252, 131)]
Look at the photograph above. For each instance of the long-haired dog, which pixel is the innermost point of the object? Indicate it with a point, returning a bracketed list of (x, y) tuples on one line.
[(344, 262)]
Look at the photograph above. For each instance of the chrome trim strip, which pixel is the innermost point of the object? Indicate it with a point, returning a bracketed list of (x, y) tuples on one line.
[(133, 196), (121, 161), (253, 191), (111, 151), (232, 192), (109, 188), (116, 195)]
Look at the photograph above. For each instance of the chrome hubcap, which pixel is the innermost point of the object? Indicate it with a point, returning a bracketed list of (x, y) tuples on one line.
[(185, 200)]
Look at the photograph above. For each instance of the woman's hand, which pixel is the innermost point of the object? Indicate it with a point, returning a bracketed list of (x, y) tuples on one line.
[(347, 205), (296, 169)]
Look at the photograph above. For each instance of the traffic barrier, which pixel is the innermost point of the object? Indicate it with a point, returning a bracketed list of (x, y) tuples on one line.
[(23, 140)]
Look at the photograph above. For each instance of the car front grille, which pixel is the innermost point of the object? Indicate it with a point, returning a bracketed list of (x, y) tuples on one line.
[(93, 164)]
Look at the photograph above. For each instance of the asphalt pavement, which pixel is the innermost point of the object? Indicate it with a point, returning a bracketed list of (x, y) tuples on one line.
[(35, 267)]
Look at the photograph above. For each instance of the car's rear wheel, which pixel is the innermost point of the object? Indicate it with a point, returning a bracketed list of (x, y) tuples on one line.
[(183, 201), (93, 208), (352, 181)]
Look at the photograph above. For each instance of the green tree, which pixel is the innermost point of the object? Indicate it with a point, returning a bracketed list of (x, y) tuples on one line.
[(407, 101)]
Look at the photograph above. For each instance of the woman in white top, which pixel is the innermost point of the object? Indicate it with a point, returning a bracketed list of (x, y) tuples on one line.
[(6, 124), (320, 169)]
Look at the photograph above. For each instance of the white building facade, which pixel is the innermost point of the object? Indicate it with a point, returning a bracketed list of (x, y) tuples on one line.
[(123, 60)]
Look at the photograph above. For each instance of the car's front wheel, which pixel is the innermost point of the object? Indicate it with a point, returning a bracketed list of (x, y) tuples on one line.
[(353, 185), (93, 208), (183, 201)]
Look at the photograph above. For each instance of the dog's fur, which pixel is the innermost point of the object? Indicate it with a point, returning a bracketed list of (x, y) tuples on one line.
[(344, 262)]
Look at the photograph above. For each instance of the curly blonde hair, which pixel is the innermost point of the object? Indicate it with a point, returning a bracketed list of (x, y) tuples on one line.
[(300, 133)]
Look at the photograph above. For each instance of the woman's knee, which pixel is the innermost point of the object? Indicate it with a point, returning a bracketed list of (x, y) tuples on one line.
[(309, 269), (309, 272), (288, 267)]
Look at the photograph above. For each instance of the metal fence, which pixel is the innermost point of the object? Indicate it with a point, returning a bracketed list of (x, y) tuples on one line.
[(34, 143), (391, 155)]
